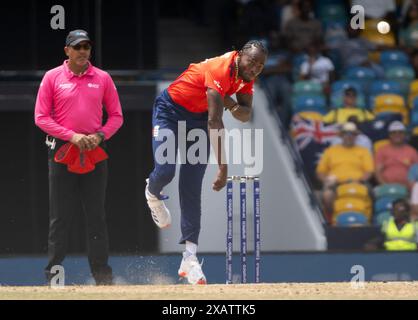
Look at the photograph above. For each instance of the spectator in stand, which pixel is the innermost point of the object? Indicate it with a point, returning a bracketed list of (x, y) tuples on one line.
[(343, 163), (276, 77), (394, 160), (355, 52), (317, 67), (289, 11), (361, 140), (348, 110), (399, 233), (408, 35), (303, 30)]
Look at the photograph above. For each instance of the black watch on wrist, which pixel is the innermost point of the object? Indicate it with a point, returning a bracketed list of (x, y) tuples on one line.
[(101, 135)]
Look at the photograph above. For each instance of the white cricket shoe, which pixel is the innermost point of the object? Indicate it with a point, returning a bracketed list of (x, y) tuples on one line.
[(159, 211), (191, 269)]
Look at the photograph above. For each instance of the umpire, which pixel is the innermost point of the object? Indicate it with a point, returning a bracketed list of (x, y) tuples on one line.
[(69, 109)]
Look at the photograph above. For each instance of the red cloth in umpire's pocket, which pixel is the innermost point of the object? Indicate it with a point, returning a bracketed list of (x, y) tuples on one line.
[(79, 162)]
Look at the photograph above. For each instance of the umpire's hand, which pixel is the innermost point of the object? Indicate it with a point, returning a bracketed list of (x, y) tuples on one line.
[(81, 141)]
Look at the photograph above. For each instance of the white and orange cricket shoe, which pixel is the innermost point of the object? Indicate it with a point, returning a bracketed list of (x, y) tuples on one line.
[(159, 212), (191, 269)]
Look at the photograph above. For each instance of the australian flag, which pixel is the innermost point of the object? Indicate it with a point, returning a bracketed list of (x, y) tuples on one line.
[(312, 137), (377, 129)]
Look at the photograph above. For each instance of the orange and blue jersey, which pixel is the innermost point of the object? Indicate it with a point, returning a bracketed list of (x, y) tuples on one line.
[(219, 73)]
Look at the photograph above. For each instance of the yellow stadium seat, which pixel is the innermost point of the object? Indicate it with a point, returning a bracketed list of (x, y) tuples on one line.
[(387, 40), (391, 103), (378, 144), (393, 100), (352, 190), (349, 205), (413, 87), (415, 131), (310, 115), (413, 92)]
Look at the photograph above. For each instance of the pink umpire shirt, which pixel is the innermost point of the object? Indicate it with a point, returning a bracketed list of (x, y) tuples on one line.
[(67, 104)]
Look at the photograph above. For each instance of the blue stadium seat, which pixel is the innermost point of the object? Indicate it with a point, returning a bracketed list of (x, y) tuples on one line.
[(381, 217), (383, 204), (382, 87), (390, 58), (360, 73), (310, 103), (403, 74), (385, 86), (392, 190), (307, 87), (351, 219), (333, 12), (341, 85)]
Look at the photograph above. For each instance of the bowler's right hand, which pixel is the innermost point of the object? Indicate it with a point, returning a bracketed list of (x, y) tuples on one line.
[(221, 178)]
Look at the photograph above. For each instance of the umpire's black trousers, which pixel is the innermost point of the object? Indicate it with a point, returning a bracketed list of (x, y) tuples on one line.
[(66, 190)]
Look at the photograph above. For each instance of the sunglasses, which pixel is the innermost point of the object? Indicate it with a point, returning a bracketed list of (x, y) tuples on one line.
[(86, 46), (397, 132), (349, 133)]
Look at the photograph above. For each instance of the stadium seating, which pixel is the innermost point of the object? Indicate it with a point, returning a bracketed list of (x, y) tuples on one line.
[(333, 12), (403, 74), (364, 76), (384, 195), (387, 40), (310, 115), (380, 218), (391, 103), (307, 88), (349, 205), (383, 87), (390, 58), (353, 200), (383, 204), (351, 219), (310, 103), (390, 190), (360, 73), (413, 92), (353, 190), (341, 85)]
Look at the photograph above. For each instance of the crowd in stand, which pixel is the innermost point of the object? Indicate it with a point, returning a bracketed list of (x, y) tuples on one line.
[(354, 91)]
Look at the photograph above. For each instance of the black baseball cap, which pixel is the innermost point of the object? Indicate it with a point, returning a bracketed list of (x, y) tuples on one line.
[(351, 90), (76, 36)]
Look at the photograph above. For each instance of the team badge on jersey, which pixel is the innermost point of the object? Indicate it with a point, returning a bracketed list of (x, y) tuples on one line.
[(155, 131)]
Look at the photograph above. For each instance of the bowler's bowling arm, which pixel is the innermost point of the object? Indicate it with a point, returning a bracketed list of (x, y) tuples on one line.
[(216, 125), (242, 108)]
